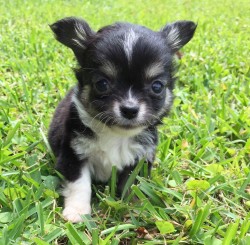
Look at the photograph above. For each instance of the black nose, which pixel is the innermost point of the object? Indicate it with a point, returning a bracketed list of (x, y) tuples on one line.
[(129, 112)]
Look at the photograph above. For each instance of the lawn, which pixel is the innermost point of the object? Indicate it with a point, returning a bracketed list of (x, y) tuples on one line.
[(200, 187)]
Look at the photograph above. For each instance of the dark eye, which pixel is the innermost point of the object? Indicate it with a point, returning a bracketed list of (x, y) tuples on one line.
[(157, 87), (102, 85)]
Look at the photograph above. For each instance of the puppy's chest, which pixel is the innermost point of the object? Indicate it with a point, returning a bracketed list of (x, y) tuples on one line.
[(109, 150)]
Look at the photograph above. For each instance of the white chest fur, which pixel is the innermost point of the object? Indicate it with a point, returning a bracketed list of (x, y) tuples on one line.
[(109, 149)]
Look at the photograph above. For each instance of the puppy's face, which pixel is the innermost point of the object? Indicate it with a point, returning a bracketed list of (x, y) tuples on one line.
[(126, 71)]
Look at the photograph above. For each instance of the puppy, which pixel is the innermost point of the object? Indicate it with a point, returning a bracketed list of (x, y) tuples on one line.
[(125, 87)]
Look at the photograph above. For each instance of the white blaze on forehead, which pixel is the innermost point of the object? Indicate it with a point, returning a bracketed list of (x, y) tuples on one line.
[(130, 39), (154, 70)]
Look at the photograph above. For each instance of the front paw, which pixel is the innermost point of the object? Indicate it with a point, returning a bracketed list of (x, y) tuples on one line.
[(73, 214)]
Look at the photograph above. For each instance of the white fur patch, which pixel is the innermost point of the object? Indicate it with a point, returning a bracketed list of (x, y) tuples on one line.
[(167, 103), (107, 151), (80, 32), (112, 146), (174, 38), (81, 36), (109, 69), (142, 112), (85, 93), (130, 101), (130, 98), (78, 43), (129, 42), (154, 70), (77, 197)]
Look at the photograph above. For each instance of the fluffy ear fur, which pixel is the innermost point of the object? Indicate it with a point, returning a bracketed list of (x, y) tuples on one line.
[(178, 34), (73, 33)]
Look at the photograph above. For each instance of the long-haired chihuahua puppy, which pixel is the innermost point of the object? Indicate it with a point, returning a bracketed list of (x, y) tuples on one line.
[(125, 83)]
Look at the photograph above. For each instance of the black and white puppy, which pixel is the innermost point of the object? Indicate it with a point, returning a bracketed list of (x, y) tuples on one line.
[(125, 83)]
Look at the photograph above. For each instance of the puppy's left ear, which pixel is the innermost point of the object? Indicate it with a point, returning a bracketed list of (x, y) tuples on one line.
[(178, 34), (73, 33)]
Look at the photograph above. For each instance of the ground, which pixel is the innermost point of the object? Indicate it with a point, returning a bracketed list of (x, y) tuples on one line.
[(200, 187)]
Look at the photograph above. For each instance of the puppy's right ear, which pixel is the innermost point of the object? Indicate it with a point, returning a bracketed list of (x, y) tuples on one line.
[(72, 32), (178, 34)]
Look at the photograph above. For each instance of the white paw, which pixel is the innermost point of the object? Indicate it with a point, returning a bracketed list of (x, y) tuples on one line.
[(73, 214)]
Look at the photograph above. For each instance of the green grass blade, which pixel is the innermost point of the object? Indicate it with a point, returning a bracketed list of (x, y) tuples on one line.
[(39, 210), (145, 202), (17, 227), (132, 178), (11, 134), (200, 218), (89, 222), (245, 227), (95, 236), (113, 182), (115, 241), (56, 233), (230, 233), (122, 227), (75, 236), (38, 241)]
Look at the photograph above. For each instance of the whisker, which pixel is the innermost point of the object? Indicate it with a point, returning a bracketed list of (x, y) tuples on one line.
[(156, 117)]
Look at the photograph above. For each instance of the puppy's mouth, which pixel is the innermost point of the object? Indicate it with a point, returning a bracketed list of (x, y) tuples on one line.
[(125, 118), (124, 124), (112, 120)]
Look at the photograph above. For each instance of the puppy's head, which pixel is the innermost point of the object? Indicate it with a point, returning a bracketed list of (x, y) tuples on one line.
[(125, 71)]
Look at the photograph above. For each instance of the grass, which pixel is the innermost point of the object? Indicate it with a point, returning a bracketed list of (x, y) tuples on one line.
[(200, 189)]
